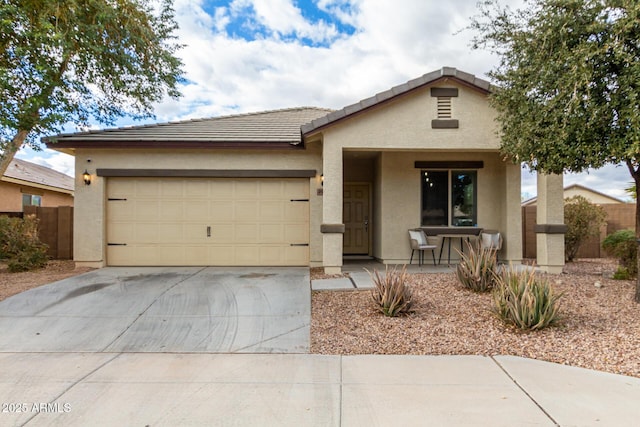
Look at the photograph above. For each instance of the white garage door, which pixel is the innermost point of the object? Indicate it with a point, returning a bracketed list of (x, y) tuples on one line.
[(175, 221)]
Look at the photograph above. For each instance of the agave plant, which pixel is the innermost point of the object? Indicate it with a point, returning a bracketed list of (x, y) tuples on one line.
[(392, 293), (477, 268), (523, 299)]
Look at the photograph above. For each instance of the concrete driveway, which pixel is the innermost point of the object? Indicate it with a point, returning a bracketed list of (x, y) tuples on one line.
[(178, 309)]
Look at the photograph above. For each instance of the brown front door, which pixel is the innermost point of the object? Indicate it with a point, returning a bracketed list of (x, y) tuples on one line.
[(357, 219)]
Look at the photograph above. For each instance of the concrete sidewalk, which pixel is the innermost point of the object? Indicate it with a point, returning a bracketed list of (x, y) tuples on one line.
[(167, 389)]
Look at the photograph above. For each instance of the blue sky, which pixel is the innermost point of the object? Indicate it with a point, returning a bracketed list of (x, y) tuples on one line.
[(253, 55)]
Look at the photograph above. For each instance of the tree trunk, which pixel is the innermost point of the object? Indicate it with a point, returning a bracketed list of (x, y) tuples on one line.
[(11, 149), (636, 178)]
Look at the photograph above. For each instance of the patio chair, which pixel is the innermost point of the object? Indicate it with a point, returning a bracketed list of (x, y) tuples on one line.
[(418, 241), (491, 239)]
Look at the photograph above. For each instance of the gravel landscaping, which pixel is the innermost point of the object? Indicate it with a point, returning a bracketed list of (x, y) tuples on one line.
[(600, 327)]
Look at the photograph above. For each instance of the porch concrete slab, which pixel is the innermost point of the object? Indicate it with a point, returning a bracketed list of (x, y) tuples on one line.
[(577, 396), (433, 390), (339, 283), (362, 279)]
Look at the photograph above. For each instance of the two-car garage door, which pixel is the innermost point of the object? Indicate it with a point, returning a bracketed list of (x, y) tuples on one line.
[(213, 221)]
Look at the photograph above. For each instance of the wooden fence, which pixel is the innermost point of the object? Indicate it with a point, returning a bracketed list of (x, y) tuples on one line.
[(619, 217), (55, 228)]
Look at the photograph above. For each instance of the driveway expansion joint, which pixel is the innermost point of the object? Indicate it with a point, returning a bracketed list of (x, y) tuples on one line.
[(524, 391)]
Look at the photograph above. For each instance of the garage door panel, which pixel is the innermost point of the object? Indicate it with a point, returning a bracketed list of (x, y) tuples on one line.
[(246, 210), (148, 233), (164, 221), (120, 232), (246, 233), (296, 233), (271, 233), (221, 211), (246, 190), (171, 209), (198, 210), (272, 211), (146, 189), (147, 209)]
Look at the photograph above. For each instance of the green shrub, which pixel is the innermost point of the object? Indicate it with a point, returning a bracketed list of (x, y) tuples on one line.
[(19, 244), (622, 245), (524, 300), (477, 268), (392, 293), (622, 274), (583, 220)]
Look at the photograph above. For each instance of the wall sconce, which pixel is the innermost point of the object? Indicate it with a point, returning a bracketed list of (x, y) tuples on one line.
[(86, 177), (322, 180)]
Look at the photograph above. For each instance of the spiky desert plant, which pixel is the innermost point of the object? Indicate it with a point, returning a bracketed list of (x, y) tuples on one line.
[(392, 293), (477, 268), (523, 299)]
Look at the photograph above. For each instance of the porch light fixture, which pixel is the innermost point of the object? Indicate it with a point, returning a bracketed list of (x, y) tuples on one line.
[(322, 180), (86, 177)]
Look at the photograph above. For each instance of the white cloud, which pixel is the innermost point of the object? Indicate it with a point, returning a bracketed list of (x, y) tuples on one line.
[(52, 159), (350, 50)]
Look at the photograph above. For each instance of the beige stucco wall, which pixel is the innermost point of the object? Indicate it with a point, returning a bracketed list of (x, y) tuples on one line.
[(11, 197), (400, 198), (89, 221), (405, 123), (401, 132)]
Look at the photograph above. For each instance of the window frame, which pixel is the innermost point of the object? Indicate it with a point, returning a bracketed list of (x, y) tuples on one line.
[(449, 215)]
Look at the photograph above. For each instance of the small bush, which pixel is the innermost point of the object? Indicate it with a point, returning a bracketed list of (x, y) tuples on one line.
[(477, 268), (583, 220), (622, 245), (524, 300), (392, 293), (622, 274), (19, 244)]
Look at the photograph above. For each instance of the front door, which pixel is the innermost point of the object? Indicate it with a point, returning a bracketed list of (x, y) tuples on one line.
[(357, 219)]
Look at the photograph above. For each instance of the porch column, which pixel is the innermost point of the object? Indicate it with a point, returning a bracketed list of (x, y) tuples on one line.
[(332, 227), (550, 226), (512, 246)]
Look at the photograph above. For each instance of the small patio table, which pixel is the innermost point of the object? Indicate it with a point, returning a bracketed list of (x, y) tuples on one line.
[(448, 237)]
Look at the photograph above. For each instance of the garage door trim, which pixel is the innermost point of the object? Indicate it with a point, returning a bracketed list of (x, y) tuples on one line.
[(207, 173)]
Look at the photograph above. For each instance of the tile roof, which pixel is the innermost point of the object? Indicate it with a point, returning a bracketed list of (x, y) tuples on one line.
[(276, 126), (31, 173), (395, 91)]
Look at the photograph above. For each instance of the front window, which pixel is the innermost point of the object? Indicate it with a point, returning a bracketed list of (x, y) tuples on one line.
[(449, 198)]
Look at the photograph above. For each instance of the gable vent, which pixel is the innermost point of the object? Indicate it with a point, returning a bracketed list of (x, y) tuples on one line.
[(444, 107)]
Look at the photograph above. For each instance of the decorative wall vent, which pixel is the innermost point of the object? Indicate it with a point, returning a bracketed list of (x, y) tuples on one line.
[(444, 118), (444, 107)]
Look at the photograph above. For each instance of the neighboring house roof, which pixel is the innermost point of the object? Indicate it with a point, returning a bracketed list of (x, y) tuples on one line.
[(443, 74), (577, 189), (27, 173), (269, 128)]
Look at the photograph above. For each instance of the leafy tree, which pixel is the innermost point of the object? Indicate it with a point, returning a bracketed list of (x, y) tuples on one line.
[(583, 220), (74, 60), (568, 81)]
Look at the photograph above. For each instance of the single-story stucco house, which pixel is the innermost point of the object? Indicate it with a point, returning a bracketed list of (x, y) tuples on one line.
[(593, 196), (306, 186), (28, 184)]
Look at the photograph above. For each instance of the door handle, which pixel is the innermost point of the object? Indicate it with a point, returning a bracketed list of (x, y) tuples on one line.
[(366, 225), (209, 231)]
